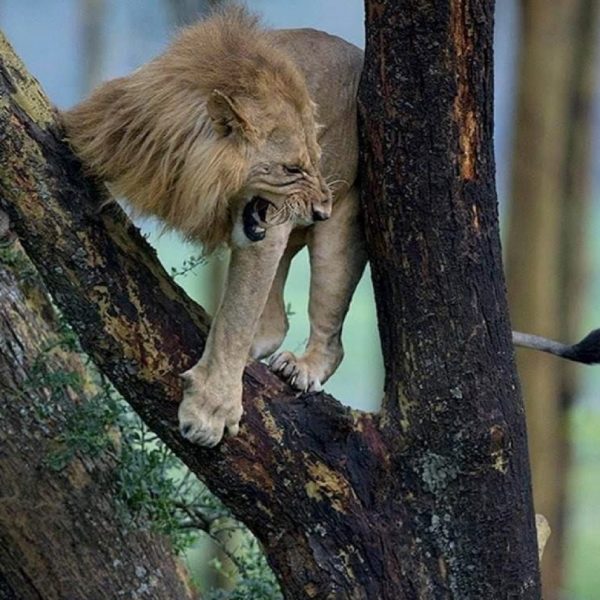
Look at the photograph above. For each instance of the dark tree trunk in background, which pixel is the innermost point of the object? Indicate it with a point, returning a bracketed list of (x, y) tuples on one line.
[(60, 536), (576, 194), (546, 236), (429, 499)]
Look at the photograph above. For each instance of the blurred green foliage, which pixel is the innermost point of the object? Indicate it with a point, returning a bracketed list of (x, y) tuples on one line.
[(583, 543)]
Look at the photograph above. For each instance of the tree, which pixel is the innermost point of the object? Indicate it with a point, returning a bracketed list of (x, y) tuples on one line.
[(429, 498), (60, 533), (547, 216)]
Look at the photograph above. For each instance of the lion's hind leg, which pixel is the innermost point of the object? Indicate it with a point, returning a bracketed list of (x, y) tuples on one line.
[(273, 325), (337, 259)]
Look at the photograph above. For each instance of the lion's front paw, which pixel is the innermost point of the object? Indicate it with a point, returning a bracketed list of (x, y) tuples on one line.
[(208, 409), (304, 373)]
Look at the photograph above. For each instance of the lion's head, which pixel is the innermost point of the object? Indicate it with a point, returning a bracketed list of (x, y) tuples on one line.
[(281, 177), (217, 131)]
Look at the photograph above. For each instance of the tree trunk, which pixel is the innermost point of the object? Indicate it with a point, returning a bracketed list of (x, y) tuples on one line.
[(544, 259), (451, 400), (430, 498), (60, 536), (576, 182)]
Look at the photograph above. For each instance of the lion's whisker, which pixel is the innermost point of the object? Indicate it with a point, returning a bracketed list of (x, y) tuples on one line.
[(281, 215), (336, 182)]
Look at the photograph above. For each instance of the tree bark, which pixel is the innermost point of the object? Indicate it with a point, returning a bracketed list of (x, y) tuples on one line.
[(429, 499), (547, 215), (452, 407), (60, 536)]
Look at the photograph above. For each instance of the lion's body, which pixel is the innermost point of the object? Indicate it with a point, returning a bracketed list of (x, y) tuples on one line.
[(331, 68), (222, 122)]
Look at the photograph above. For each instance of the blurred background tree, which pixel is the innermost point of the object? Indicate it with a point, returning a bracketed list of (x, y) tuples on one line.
[(546, 236), (550, 111), (92, 21), (184, 12)]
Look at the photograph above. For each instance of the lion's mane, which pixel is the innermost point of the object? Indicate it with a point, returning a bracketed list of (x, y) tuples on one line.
[(149, 134)]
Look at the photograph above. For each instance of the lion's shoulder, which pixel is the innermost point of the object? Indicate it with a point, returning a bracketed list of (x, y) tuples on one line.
[(329, 63)]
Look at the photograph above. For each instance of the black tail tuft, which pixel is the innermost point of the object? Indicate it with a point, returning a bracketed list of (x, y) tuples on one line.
[(587, 351)]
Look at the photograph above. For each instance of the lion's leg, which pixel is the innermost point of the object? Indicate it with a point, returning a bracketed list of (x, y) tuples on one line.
[(212, 399), (273, 324), (337, 259)]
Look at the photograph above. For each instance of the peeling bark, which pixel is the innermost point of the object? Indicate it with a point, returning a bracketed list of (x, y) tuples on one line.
[(422, 501)]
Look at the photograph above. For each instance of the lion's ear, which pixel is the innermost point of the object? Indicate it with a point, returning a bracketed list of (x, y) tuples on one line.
[(227, 116)]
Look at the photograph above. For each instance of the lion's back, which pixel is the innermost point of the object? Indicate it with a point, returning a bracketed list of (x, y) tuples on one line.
[(331, 67)]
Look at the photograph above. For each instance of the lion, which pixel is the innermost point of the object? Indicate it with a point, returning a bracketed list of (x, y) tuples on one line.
[(244, 137)]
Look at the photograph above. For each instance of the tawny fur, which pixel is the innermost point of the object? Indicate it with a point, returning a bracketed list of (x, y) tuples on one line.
[(194, 135), (151, 137), (227, 114)]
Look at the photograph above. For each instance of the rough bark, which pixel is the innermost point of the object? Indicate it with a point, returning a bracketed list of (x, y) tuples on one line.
[(60, 536), (6, 590), (452, 408), (546, 223), (423, 501)]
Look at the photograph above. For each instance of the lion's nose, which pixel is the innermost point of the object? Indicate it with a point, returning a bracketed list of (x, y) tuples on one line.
[(320, 215)]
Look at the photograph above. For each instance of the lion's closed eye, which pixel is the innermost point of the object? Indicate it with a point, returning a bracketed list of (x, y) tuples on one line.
[(293, 169)]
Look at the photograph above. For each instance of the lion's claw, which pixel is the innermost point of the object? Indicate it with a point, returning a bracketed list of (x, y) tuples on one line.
[(300, 372), (201, 434)]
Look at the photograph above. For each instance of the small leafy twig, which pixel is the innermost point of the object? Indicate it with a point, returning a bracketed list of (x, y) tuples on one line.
[(189, 264)]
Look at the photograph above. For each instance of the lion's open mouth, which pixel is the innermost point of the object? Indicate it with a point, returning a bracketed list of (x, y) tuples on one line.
[(255, 218)]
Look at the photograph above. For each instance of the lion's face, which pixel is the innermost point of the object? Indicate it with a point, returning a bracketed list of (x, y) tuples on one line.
[(283, 182)]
